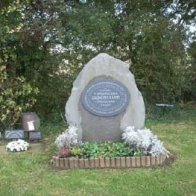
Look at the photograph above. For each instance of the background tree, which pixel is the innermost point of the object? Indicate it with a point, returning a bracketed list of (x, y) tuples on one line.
[(48, 42)]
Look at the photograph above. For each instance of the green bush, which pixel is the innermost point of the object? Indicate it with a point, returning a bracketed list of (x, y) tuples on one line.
[(16, 96)]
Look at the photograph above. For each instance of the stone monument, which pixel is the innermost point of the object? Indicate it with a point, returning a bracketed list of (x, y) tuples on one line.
[(104, 100)]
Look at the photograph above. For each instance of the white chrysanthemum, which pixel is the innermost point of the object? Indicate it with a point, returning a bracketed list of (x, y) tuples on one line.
[(130, 135), (158, 148), (68, 138), (145, 140), (145, 136), (19, 145)]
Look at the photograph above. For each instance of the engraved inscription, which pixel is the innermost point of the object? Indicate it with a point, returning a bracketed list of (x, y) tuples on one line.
[(105, 97), (14, 134)]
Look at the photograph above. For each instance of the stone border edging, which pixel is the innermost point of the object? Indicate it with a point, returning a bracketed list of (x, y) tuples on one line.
[(117, 162)]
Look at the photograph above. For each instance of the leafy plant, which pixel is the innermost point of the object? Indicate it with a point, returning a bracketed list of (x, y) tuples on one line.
[(105, 149), (77, 151), (138, 152), (91, 149), (16, 96)]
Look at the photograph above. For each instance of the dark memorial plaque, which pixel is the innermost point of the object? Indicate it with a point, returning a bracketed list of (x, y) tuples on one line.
[(105, 97), (35, 135)]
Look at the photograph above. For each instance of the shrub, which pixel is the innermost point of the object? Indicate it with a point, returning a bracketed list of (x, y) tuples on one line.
[(145, 140), (16, 96)]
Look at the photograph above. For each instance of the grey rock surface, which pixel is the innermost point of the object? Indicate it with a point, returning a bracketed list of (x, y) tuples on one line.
[(97, 128)]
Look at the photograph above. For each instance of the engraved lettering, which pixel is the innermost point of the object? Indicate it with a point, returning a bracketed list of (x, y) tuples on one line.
[(105, 97)]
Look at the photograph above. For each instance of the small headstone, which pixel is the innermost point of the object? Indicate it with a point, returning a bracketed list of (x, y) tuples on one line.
[(105, 100), (14, 134), (30, 121)]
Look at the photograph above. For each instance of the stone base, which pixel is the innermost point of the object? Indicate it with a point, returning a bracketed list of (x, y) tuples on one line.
[(117, 162)]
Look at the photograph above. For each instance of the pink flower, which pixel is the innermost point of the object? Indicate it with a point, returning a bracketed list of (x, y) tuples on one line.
[(64, 152)]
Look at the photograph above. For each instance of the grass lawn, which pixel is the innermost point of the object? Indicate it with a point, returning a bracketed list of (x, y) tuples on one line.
[(29, 173)]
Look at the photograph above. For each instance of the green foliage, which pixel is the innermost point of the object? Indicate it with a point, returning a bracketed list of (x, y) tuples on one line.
[(143, 35), (106, 149), (48, 42), (16, 96), (189, 92), (158, 62), (25, 53), (138, 153), (77, 151)]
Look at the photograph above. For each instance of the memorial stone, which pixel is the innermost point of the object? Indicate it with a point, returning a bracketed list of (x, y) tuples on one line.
[(105, 100)]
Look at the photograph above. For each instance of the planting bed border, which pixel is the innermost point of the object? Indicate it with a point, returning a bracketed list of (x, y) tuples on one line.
[(117, 162)]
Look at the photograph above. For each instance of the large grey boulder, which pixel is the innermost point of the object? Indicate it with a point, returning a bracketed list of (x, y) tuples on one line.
[(98, 127)]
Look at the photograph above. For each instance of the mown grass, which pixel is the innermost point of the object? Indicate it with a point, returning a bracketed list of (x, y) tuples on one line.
[(29, 173)]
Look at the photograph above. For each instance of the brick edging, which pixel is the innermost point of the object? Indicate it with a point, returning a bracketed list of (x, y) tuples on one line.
[(117, 162)]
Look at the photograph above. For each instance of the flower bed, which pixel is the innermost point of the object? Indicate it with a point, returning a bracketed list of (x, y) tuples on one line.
[(115, 162), (138, 148)]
